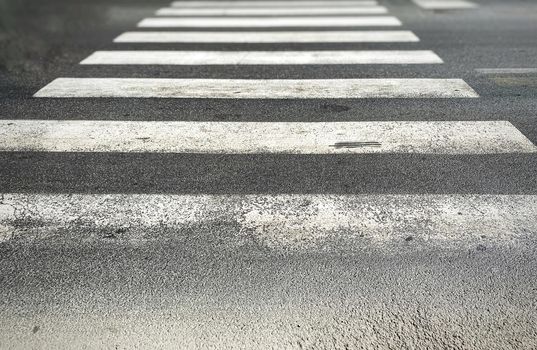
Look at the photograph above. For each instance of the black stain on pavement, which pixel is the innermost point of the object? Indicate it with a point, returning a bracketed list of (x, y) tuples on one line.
[(339, 145), (110, 235)]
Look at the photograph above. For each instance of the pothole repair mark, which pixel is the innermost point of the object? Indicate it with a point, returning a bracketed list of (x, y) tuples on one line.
[(339, 145)]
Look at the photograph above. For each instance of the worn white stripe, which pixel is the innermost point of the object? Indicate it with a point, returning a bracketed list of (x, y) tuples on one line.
[(262, 57), (445, 4), (223, 22), (507, 70), (431, 137), (515, 81), (268, 37), (276, 222), (257, 88), (370, 10), (282, 3)]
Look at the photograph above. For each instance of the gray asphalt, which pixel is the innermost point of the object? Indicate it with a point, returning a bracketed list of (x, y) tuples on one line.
[(199, 289)]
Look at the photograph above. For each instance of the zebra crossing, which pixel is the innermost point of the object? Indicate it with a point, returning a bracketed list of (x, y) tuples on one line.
[(287, 222), (275, 3), (264, 137), (256, 88), (262, 57), (290, 22), (269, 22), (445, 4), (355, 36), (360, 10)]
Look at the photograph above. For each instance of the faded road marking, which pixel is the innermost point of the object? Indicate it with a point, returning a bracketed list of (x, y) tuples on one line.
[(281, 3), (361, 10), (515, 81), (262, 57), (445, 4), (429, 137), (507, 70), (276, 222), (223, 22), (268, 37), (257, 88)]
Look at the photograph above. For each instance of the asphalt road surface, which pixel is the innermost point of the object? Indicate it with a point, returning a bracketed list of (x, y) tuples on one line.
[(270, 175)]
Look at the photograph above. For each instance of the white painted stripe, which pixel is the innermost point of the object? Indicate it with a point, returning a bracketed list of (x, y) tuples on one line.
[(282, 3), (445, 4), (507, 70), (370, 10), (276, 222), (262, 57), (268, 37), (227, 22), (257, 88), (430, 137)]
